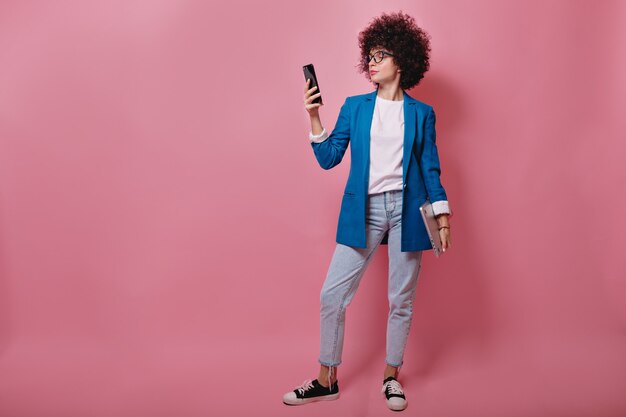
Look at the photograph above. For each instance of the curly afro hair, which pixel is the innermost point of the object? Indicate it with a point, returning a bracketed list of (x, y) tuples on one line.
[(399, 34)]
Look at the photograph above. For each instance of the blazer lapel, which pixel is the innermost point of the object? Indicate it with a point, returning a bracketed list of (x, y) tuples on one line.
[(409, 133), (368, 117)]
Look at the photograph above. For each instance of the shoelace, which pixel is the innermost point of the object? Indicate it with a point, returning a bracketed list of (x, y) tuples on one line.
[(306, 385), (394, 387)]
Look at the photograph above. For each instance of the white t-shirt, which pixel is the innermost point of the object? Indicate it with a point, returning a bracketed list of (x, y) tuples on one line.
[(386, 149), (386, 146)]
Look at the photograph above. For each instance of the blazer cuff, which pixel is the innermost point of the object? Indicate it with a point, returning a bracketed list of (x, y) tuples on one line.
[(441, 207), (318, 138)]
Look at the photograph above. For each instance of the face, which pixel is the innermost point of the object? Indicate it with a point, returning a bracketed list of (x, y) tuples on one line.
[(385, 70)]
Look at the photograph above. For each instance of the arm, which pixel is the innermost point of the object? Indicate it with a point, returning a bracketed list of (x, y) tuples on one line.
[(329, 150), (431, 170)]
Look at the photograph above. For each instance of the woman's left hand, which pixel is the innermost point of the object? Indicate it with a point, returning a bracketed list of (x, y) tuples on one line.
[(444, 234)]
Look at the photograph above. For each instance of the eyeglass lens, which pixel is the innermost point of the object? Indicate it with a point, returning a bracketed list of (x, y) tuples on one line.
[(378, 56)]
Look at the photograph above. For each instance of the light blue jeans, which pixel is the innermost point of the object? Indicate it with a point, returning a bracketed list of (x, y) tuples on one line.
[(384, 211)]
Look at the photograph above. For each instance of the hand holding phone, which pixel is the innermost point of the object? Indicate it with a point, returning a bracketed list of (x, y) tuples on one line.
[(311, 101), (309, 73)]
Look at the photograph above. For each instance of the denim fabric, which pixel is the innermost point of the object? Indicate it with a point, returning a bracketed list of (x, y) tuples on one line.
[(348, 264)]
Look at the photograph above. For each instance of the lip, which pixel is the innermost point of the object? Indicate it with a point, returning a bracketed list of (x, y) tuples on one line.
[(373, 72)]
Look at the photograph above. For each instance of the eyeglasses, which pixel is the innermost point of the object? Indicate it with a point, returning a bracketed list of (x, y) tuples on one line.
[(378, 56)]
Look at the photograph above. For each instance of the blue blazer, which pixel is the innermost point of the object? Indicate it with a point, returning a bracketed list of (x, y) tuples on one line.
[(420, 168)]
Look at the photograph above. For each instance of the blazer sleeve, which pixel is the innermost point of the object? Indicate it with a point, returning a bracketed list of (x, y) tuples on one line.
[(429, 162), (330, 152)]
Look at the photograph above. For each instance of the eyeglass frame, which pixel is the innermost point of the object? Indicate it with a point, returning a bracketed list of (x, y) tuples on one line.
[(369, 57)]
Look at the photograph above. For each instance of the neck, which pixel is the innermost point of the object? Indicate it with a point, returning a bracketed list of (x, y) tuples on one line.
[(390, 92)]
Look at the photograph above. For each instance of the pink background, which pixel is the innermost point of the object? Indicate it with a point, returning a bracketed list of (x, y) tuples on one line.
[(165, 228)]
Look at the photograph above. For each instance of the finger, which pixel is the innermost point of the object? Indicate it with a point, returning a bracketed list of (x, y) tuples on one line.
[(444, 242), (306, 85), (307, 94), (311, 98)]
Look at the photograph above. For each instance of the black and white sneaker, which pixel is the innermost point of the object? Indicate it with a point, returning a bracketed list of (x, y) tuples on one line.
[(392, 389), (309, 391)]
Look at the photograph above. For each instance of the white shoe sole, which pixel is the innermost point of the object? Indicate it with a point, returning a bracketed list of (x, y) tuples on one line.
[(397, 407), (287, 399)]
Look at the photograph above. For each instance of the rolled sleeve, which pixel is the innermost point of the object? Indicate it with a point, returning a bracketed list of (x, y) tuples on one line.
[(441, 207), (318, 138)]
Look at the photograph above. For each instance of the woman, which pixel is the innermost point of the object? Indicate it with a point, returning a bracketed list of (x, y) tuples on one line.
[(394, 169)]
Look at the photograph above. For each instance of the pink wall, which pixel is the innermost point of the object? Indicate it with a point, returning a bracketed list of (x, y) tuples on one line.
[(165, 228)]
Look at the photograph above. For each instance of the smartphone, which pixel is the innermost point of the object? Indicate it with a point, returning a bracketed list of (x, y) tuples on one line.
[(309, 73)]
